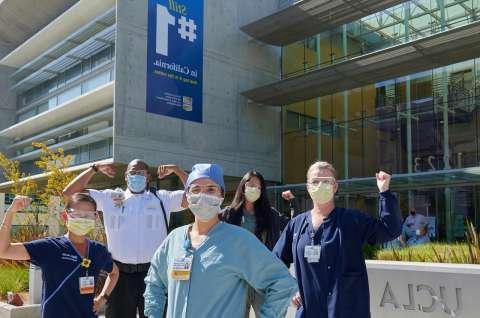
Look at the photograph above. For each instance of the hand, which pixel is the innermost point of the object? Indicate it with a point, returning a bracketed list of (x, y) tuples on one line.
[(297, 300), (288, 195), (166, 170), (383, 181), (98, 303), (107, 169), (19, 203)]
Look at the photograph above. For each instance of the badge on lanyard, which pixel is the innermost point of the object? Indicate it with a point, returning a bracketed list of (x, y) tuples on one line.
[(182, 267), (312, 253), (87, 285)]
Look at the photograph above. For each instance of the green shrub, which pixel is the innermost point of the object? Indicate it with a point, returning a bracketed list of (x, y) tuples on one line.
[(13, 278), (433, 253), (460, 253)]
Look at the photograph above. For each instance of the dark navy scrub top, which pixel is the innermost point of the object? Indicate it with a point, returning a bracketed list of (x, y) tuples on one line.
[(60, 261), (337, 285)]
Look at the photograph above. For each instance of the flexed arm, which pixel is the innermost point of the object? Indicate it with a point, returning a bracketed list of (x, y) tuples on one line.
[(8, 250)]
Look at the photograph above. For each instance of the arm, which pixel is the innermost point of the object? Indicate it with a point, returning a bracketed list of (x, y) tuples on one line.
[(8, 250), (156, 284), (166, 170), (290, 198), (110, 283), (80, 183), (267, 275), (283, 248), (389, 225)]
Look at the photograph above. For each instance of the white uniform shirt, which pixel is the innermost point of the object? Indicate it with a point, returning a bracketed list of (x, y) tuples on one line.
[(414, 222), (135, 226)]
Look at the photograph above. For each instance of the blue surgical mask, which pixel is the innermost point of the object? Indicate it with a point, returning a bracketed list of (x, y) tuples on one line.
[(136, 183)]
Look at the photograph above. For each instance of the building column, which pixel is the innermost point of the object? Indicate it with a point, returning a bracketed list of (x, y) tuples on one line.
[(346, 145), (449, 193), (319, 104)]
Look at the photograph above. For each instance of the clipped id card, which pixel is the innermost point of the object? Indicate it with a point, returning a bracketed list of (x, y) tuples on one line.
[(312, 253), (182, 267), (87, 285)]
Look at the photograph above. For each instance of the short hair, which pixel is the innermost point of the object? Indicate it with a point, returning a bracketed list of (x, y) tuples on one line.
[(81, 197), (138, 161), (321, 165)]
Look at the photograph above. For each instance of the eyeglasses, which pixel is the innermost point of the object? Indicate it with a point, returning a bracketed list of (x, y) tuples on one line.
[(84, 214), (137, 173), (322, 180), (207, 189)]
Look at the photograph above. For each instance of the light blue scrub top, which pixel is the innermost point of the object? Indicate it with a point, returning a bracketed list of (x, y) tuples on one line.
[(223, 266)]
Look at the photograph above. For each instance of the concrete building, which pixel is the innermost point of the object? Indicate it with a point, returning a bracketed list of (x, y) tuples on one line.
[(367, 85), (77, 80)]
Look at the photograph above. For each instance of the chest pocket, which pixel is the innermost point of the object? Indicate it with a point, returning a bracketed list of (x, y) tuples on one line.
[(153, 216), (117, 221)]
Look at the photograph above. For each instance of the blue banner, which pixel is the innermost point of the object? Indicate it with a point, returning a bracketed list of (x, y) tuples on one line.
[(175, 58)]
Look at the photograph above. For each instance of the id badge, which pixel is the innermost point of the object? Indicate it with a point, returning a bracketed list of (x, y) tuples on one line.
[(182, 267), (87, 285), (312, 253)]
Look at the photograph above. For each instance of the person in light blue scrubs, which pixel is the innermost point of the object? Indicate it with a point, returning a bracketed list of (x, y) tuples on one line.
[(206, 268)]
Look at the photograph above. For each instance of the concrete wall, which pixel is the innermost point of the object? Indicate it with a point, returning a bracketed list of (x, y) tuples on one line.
[(8, 104), (421, 290), (238, 135)]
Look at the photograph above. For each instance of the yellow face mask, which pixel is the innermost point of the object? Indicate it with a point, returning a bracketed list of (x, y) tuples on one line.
[(80, 226), (321, 193)]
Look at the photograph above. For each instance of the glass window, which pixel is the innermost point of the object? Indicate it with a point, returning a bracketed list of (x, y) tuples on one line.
[(101, 58), (86, 66), (72, 73), (42, 108), (26, 115), (52, 102), (95, 82), (99, 150), (69, 94)]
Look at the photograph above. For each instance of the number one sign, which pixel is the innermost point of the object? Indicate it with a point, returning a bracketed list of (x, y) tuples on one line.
[(175, 59), (186, 30)]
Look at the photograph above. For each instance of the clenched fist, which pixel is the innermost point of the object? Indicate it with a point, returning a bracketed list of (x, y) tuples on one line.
[(20, 203), (383, 181)]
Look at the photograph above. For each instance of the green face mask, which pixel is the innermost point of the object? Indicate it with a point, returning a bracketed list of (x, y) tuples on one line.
[(80, 226)]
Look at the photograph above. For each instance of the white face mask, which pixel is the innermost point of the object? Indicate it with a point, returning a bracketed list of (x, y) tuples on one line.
[(322, 193), (252, 194), (205, 207)]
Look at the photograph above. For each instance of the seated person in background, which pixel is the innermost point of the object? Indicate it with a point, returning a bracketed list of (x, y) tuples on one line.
[(399, 242), (421, 236), (413, 222)]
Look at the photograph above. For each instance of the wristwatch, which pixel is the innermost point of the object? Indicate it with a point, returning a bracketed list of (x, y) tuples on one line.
[(94, 167)]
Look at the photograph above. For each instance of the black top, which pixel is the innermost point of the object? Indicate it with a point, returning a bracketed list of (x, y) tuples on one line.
[(268, 237)]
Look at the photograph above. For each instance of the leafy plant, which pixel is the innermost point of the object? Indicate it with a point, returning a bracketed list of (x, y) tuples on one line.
[(48, 199), (14, 278)]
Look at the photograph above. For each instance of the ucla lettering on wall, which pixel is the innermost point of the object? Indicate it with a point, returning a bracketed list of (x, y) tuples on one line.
[(175, 58)]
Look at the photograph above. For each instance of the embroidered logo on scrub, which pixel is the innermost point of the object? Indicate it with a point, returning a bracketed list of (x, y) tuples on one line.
[(69, 257)]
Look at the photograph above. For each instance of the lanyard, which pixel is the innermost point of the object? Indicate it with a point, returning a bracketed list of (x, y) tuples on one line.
[(312, 236)]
